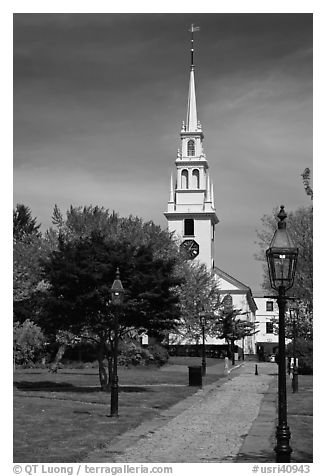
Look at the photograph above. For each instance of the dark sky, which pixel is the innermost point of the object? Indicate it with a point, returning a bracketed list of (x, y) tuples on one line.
[(99, 100)]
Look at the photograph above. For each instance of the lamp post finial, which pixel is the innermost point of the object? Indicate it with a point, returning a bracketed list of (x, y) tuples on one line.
[(282, 216)]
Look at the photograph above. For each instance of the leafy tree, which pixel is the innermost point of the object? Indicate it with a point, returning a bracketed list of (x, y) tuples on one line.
[(81, 222), (27, 275), (92, 243), (306, 182), (29, 340), (299, 225), (25, 268), (198, 295), (298, 326), (24, 224), (232, 328), (304, 353)]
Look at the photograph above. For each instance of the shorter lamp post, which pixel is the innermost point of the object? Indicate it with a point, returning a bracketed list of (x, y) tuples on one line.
[(294, 315), (203, 352), (232, 342), (117, 292), (281, 259)]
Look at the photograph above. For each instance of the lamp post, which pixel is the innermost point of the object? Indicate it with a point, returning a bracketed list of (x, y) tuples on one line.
[(117, 292), (232, 342), (294, 314), (281, 259), (203, 352)]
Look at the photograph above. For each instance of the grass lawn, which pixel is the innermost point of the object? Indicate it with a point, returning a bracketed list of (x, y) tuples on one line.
[(62, 417)]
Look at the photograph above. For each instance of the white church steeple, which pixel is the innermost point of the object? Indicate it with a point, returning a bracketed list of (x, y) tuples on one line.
[(191, 122), (191, 210)]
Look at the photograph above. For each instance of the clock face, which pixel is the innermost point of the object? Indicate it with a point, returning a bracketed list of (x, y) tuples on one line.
[(191, 247)]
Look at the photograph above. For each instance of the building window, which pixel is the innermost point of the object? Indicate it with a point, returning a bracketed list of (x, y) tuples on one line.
[(191, 148), (195, 178), (189, 227), (269, 328), (269, 305), (227, 301), (184, 179)]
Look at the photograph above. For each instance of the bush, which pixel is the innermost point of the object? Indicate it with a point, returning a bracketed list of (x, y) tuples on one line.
[(131, 353), (304, 352), (29, 343), (159, 353)]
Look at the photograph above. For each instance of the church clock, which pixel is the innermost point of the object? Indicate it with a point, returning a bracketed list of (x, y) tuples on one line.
[(191, 247)]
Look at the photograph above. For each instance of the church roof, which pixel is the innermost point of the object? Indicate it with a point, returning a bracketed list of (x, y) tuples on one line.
[(235, 283)]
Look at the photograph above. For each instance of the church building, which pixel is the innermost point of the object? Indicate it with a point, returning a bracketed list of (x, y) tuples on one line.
[(191, 212)]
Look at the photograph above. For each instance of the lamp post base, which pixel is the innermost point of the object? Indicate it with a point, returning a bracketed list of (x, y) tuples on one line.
[(282, 449)]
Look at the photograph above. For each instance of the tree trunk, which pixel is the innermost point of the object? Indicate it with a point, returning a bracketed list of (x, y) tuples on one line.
[(110, 362), (57, 359), (104, 382)]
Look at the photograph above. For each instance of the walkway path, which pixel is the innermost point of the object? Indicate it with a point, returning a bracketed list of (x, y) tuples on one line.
[(209, 426)]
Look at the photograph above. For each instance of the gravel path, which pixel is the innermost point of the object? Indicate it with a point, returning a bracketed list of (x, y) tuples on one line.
[(212, 429)]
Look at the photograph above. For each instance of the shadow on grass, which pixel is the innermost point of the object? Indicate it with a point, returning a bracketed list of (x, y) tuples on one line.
[(68, 387), (59, 372)]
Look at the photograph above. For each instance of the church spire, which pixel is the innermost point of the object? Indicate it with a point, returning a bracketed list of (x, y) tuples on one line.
[(191, 121)]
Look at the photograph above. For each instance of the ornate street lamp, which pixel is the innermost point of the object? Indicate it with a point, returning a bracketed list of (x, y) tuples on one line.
[(117, 292), (294, 312), (203, 352), (282, 259)]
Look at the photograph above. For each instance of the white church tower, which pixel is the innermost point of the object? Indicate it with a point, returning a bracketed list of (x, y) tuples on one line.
[(191, 210)]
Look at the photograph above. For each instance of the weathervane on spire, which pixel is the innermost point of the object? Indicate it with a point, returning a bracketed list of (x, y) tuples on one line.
[(192, 29)]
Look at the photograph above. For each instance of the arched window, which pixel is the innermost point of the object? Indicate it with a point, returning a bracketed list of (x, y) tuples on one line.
[(189, 227), (227, 301), (191, 147), (195, 178), (184, 179)]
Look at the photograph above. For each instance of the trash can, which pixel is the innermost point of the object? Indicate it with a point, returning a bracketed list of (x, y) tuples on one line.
[(195, 376)]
